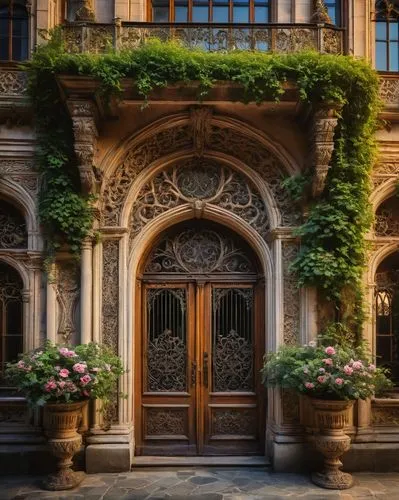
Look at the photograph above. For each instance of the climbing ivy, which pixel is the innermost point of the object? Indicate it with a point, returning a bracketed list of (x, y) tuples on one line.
[(332, 238)]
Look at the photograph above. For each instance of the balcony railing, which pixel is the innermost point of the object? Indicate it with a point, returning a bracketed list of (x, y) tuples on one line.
[(96, 38)]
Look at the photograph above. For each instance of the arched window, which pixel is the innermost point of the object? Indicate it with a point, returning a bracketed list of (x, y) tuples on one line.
[(387, 314), (11, 327), (387, 35), (14, 30), (213, 11)]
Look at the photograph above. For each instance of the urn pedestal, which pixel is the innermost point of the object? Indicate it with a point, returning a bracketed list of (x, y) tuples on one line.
[(61, 422), (331, 419)]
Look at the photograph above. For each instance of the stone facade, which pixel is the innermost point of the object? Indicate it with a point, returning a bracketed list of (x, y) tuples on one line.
[(148, 182)]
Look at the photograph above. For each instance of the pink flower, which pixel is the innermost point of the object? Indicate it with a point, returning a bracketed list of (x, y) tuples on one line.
[(61, 384), (322, 370), (86, 393), (348, 370), (64, 373), (85, 379), (372, 368), (321, 379), (64, 351), (330, 351), (312, 343), (357, 365), (328, 361), (21, 365), (50, 385), (79, 367), (309, 385), (339, 381)]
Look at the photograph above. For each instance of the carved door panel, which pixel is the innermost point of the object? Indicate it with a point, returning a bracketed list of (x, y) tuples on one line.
[(167, 408), (232, 356)]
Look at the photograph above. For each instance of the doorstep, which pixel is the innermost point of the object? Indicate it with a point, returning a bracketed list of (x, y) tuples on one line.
[(208, 461)]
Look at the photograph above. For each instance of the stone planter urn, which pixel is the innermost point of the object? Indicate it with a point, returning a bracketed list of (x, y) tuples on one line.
[(331, 418), (61, 422)]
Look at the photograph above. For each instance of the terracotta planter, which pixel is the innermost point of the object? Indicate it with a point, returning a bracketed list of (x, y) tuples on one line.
[(331, 419), (61, 422)]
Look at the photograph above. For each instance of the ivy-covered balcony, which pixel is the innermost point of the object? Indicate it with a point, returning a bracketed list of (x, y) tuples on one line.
[(285, 38)]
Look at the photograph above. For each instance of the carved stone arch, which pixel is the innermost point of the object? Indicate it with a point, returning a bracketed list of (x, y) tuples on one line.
[(230, 184), (384, 191), (380, 253), (20, 268), (177, 135), (11, 192)]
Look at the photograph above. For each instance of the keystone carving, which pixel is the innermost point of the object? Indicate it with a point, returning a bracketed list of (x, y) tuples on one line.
[(324, 122), (83, 114), (201, 127)]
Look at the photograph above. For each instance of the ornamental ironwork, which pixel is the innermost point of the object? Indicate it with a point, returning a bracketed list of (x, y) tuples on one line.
[(12, 227), (199, 251), (204, 180)]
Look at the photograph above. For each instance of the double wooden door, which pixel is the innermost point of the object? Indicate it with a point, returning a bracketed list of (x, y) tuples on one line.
[(199, 356)]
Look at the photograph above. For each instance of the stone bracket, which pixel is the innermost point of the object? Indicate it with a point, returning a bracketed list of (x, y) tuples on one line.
[(84, 120), (324, 121)]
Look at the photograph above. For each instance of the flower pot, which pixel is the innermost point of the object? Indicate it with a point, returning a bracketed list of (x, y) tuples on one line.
[(331, 418), (61, 422)]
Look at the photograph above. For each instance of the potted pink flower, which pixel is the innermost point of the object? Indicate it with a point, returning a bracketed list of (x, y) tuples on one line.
[(333, 375), (62, 379)]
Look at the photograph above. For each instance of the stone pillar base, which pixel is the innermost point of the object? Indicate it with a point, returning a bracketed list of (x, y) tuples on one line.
[(108, 458)]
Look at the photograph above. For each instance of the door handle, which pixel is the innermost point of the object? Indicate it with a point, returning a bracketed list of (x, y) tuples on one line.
[(205, 367), (193, 373)]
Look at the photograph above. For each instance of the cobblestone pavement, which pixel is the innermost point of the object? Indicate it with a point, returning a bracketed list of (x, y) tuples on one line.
[(203, 483)]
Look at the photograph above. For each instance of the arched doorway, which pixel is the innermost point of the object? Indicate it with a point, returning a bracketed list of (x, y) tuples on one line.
[(200, 345)]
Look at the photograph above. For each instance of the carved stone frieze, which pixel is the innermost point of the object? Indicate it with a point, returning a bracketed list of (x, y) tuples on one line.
[(199, 180), (324, 122), (13, 83), (22, 172), (83, 114), (389, 91), (291, 294), (180, 138), (385, 415), (110, 309), (67, 279)]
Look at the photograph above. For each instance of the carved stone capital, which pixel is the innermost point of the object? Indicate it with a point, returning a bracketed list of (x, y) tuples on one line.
[(324, 121), (84, 118)]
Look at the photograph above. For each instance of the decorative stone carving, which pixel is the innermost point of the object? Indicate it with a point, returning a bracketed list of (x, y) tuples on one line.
[(320, 13), (290, 405), (201, 123), (331, 41), (386, 414), (110, 309), (83, 114), (291, 294), (386, 223), (22, 173), (180, 138), (323, 126), (13, 232), (68, 295), (199, 180), (295, 39), (389, 91), (13, 83)]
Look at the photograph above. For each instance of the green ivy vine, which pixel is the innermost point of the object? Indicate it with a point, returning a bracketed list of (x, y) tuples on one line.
[(333, 247)]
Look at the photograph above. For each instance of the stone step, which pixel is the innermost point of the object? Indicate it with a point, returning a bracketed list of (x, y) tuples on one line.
[(196, 461)]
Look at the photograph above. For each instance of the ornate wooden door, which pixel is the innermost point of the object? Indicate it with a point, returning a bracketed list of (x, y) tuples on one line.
[(200, 349)]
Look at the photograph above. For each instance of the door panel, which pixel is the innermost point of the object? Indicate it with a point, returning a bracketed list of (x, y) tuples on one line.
[(233, 410), (200, 352), (168, 379)]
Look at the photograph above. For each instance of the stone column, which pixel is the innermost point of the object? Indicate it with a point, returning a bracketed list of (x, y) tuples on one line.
[(51, 308), (86, 287)]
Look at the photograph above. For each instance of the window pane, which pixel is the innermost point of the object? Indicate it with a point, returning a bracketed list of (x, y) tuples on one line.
[(181, 14), (381, 56), (200, 14), (384, 350), (14, 315), (393, 57), (381, 31), (220, 14), (240, 14), (393, 31), (261, 14), (160, 11), (13, 348)]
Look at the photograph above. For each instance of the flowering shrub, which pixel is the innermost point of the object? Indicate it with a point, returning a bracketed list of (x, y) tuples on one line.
[(325, 371), (60, 374)]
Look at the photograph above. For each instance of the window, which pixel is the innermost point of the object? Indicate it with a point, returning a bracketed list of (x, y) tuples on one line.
[(14, 28), (334, 11), (11, 329), (213, 11), (387, 35)]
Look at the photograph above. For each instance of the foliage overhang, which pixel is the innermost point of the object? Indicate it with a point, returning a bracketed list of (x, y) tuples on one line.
[(332, 238)]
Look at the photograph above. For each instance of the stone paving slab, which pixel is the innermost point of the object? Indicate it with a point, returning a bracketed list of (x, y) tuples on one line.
[(201, 483)]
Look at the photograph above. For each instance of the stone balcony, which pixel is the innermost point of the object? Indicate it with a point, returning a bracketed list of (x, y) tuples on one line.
[(96, 38)]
